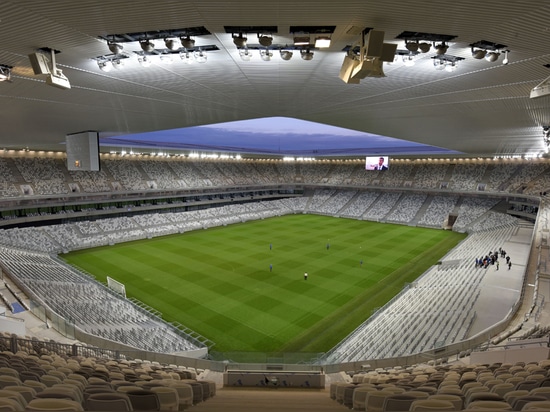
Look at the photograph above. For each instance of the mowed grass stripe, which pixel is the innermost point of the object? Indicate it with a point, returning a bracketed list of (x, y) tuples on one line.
[(218, 282)]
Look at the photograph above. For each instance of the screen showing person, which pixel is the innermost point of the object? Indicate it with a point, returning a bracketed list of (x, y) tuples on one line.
[(377, 163)]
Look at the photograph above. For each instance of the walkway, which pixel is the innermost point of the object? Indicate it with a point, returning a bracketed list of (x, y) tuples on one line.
[(270, 400)]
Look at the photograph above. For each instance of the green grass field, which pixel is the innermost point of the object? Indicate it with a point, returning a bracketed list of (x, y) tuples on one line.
[(218, 281)]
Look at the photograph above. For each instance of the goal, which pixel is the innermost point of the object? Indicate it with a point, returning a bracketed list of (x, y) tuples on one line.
[(116, 286)]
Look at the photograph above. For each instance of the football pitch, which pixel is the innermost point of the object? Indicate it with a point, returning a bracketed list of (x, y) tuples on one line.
[(242, 286)]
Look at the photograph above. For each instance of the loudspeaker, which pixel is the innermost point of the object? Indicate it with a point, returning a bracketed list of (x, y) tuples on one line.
[(346, 70), (83, 151), (368, 68), (40, 63), (374, 42), (388, 52)]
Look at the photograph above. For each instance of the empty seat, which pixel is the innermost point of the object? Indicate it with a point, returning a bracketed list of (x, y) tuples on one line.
[(197, 391), (482, 396), (338, 389), (489, 405), (520, 401), (66, 371), (16, 396), (68, 387), (430, 390), (58, 393), (108, 401), (375, 400), (168, 397), (96, 380), (398, 402), (537, 406), (514, 380), (502, 388), (206, 391), (24, 375), (346, 392), (37, 386), (492, 382), (27, 392), (454, 399), (449, 382), (95, 389), (8, 380), (432, 405), (528, 385), (9, 405), (53, 404), (449, 390), (9, 372), (211, 386), (144, 400), (75, 383), (50, 380), (512, 395), (185, 393), (541, 391), (360, 396), (467, 386), (78, 377), (57, 374)]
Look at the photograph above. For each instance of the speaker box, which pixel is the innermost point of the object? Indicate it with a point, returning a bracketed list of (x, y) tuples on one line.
[(388, 52), (368, 68), (374, 43), (40, 63), (346, 70)]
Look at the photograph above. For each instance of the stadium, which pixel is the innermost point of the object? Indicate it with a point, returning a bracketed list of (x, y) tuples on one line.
[(193, 214)]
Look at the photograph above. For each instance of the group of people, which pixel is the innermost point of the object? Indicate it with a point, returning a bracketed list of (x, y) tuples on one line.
[(492, 259)]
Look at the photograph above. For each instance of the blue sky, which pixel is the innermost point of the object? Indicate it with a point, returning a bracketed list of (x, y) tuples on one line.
[(273, 136)]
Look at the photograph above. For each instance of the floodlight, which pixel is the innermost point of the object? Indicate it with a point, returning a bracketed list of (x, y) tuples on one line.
[(265, 40), (286, 54)]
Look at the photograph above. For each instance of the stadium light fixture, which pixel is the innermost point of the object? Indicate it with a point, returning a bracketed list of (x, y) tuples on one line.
[(266, 55), (489, 51), (115, 48), (424, 47), (505, 60), (5, 73), (492, 56), (147, 45), (171, 44), (245, 54), (187, 57), (286, 54), (411, 45), (478, 53), (200, 56), (187, 42), (265, 40), (306, 54), (239, 40), (441, 48)]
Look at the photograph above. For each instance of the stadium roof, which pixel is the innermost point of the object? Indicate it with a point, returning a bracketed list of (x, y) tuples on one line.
[(481, 108)]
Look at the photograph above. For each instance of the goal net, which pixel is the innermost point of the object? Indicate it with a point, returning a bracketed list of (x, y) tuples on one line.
[(116, 286)]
